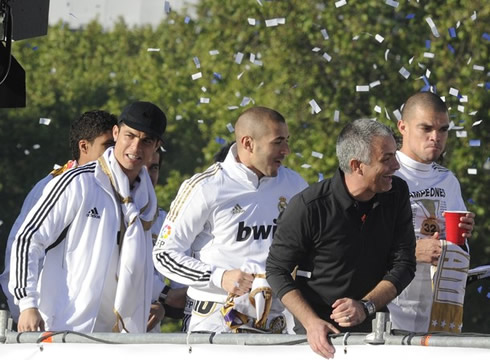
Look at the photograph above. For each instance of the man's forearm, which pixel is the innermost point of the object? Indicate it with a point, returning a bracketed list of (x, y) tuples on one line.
[(382, 294), (299, 307)]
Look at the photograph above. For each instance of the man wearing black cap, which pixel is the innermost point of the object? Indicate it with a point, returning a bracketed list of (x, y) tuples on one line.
[(91, 226)]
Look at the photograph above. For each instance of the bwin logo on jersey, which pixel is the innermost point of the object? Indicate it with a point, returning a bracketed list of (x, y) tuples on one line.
[(261, 232), (93, 213)]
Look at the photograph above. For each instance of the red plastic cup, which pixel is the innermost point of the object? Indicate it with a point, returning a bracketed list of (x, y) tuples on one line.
[(454, 233)]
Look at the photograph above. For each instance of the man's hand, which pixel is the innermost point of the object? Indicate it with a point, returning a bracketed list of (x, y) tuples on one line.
[(347, 312), (237, 282), (467, 222), (316, 333), (30, 320), (428, 250), (157, 313)]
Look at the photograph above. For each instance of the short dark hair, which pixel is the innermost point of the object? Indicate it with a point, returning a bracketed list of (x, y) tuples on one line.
[(89, 126), (426, 100)]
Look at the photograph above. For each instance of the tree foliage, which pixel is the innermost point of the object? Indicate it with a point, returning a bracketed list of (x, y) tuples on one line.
[(316, 52)]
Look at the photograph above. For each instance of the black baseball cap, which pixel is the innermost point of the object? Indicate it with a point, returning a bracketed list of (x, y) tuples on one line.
[(145, 116)]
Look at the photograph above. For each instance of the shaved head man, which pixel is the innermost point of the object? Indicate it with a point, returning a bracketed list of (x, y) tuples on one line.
[(433, 189), (226, 216)]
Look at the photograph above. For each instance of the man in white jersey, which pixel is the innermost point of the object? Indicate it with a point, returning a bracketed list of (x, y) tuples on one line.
[(433, 189), (226, 217), (92, 227), (90, 135)]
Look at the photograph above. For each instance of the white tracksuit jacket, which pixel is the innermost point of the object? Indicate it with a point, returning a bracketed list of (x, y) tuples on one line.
[(226, 216), (433, 189), (69, 289)]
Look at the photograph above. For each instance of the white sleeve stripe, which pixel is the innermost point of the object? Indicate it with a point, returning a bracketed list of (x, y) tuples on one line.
[(186, 190), (28, 230)]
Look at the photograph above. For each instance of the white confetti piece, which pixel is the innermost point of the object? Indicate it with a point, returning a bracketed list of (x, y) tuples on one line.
[(251, 21), (386, 54), (336, 116), (306, 166), (461, 108), (204, 100), (204, 89), (340, 3), (314, 106), (239, 57), (153, 49), (374, 84), (410, 60), (433, 27), (404, 72), (461, 133), (478, 67), (392, 3), (240, 75), (324, 34), (36, 146), (317, 154), (398, 114), (233, 107), (213, 52), (252, 57), (387, 114), (26, 152), (362, 88), (245, 101), (230, 128), (463, 99), (377, 109), (453, 92), (429, 55), (327, 57), (379, 38), (472, 113), (196, 76), (178, 117), (299, 155), (44, 121), (427, 73), (271, 22), (196, 62), (200, 121), (473, 16), (472, 171), (281, 21), (476, 123), (355, 38), (316, 49), (260, 2), (1, 222)]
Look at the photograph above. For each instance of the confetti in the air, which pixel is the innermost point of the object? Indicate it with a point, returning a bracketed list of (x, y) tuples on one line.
[(377, 109), (196, 62), (213, 52), (324, 34), (327, 57), (251, 21), (230, 128), (374, 84), (153, 49), (306, 166), (429, 55), (197, 76), (472, 171), (475, 143), (433, 27), (362, 88), (340, 3), (314, 106), (379, 38), (476, 123), (204, 100), (44, 121), (317, 154), (404, 72), (452, 32), (239, 58), (461, 134), (453, 92), (478, 67), (392, 3), (336, 116)]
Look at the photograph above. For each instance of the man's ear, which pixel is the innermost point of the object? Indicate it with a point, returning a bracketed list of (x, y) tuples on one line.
[(247, 143), (115, 132), (355, 166), (83, 146), (401, 126)]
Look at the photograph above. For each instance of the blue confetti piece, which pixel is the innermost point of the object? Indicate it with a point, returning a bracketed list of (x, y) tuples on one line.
[(425, 80), (452, 32), (187, 19), (450, 48), (475, 142), (219, 140), (486, 36), (479, 289), (410, 16), (487, 86), (427, 44), (471, 201), (35, 48), (320, 177), (426, 88), (217, 76)]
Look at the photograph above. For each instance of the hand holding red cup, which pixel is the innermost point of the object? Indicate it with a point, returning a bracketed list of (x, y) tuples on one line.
[(455, 233)]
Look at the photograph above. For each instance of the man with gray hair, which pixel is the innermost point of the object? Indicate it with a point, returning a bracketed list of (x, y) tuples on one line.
[(351, 238)]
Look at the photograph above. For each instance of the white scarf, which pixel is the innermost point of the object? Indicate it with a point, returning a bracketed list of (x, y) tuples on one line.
[(135, 268)]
